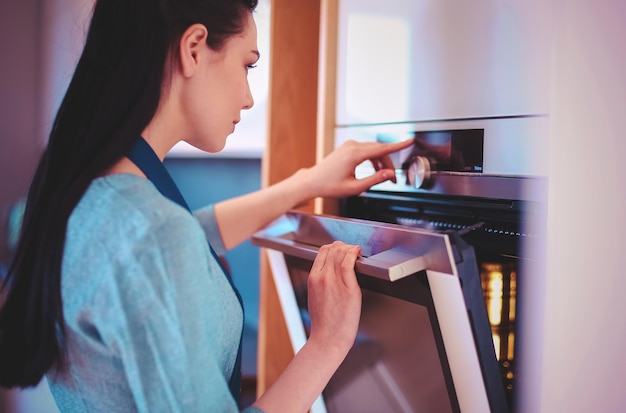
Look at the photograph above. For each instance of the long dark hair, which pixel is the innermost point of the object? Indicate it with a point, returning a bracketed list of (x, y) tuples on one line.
[(111, 98)]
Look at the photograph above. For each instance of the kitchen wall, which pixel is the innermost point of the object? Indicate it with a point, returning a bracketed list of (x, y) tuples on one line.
[(19, 131), (20, 135)]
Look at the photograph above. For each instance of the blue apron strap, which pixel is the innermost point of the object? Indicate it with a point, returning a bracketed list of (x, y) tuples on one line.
[(144, 157)]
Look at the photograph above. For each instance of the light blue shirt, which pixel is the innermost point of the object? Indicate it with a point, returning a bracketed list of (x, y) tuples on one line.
[(153, 325)]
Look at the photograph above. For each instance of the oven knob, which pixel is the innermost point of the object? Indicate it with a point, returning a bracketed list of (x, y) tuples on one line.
[(419, 172)]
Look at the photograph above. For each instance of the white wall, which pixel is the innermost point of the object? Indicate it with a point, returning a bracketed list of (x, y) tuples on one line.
[(585, 307)]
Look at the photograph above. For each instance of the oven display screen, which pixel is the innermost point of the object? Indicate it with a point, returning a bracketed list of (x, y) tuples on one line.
[(449, 150)]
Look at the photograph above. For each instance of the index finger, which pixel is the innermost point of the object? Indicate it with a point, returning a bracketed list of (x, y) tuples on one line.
[(320, 260), (379, 149)]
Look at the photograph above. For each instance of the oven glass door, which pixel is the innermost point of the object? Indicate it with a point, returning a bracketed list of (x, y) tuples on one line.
[(395, 364), (424, 342)]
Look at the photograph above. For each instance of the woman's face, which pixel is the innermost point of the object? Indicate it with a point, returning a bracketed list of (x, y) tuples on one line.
[(214, 102)]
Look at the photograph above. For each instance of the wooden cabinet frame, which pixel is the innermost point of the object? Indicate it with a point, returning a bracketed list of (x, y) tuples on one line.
[(301, 121)]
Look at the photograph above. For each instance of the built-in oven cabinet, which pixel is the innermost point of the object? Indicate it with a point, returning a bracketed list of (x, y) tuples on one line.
[(416, 60)]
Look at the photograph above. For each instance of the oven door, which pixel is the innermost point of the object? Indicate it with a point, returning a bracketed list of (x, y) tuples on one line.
[(424, 341)]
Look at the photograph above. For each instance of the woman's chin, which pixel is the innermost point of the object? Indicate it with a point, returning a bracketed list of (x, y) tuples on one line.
[(209, 147)]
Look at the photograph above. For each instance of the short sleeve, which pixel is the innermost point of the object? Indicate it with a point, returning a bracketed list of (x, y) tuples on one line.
[(206, 217)]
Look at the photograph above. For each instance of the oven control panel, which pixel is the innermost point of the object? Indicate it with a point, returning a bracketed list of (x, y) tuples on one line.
[(492, 157), (439, 151), (451, 162)]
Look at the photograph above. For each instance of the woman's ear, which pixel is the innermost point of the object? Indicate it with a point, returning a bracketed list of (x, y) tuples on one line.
[(192, 45)]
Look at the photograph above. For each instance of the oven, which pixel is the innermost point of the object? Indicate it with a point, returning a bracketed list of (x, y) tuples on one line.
[(446, 251)]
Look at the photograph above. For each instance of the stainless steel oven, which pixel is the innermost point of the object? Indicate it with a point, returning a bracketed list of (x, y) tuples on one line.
[(487, 186), (445, 251)]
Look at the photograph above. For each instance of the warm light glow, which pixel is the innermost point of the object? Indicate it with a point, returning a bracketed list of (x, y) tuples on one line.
[(511, 350), (499, 286), (493, 279)]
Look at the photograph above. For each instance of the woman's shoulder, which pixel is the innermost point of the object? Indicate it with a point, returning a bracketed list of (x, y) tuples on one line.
[(121, 221), (126, 208), (125, 189), (126, 196)]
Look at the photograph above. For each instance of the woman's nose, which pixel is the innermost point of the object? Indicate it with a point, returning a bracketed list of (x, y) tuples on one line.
[(249, 100)]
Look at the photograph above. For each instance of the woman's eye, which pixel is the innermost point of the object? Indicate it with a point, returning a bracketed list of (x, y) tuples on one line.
[(248, 67)]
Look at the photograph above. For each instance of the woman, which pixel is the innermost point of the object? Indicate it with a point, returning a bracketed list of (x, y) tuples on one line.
[(114, 293)]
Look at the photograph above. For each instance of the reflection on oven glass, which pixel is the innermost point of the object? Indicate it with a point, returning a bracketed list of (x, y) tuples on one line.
[(499, 284), (391, 368)]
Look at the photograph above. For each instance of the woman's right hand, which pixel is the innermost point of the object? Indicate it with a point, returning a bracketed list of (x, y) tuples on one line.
[(334, 297), (335, 310)]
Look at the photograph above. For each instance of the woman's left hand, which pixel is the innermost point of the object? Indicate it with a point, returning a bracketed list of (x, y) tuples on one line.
[(334, 175)]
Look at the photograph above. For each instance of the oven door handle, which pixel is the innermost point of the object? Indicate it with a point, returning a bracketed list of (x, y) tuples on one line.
[(390, 265)]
